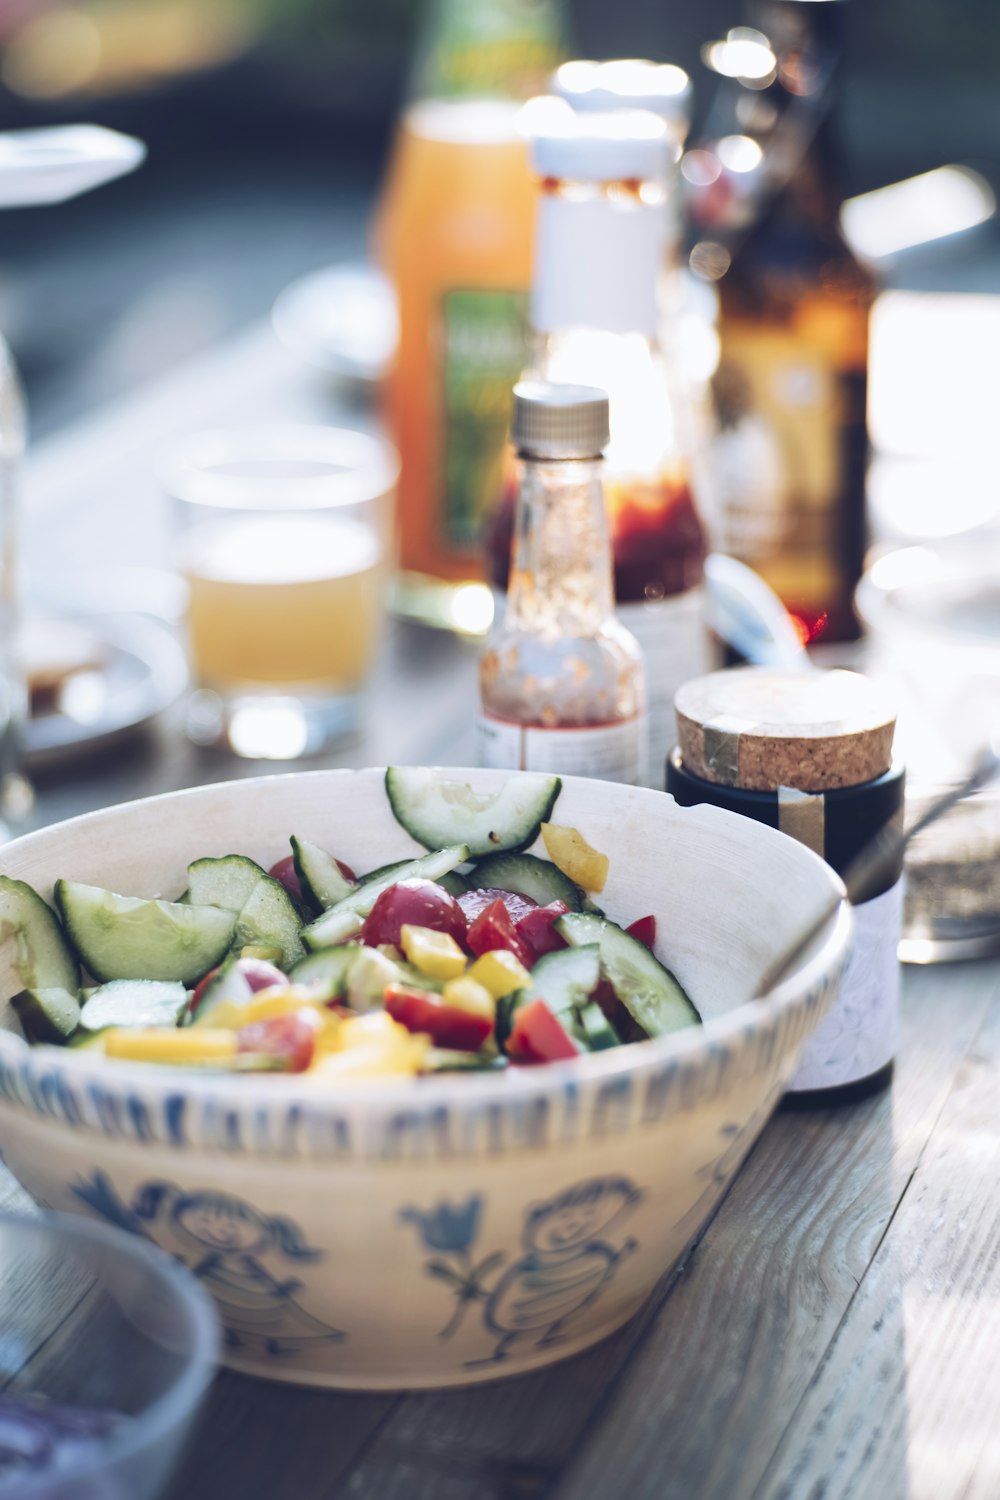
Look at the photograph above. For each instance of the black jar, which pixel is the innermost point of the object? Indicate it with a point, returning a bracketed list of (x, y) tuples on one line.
[(852, 1052)]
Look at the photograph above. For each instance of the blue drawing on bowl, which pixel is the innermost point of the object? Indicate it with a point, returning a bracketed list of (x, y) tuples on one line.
[(221, 1239), (734, 1144), (566, 1265)]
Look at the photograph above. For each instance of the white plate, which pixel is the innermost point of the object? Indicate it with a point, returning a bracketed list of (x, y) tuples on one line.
[(143, 673)]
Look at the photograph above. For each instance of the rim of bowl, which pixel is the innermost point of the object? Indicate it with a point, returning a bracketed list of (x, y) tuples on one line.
[(180, 1400), (376, 1095)]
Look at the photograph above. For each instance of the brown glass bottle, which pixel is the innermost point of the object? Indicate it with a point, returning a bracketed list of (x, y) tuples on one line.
[(790, 391)]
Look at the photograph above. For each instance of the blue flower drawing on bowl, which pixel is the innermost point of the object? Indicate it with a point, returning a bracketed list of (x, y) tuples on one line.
[(566, 1264), (222, 1239)]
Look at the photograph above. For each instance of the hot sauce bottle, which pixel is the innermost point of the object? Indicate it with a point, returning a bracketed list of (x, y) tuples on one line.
[(562, 686), (599, 250)]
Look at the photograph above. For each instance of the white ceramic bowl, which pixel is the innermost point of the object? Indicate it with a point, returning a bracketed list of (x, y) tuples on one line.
[(439, 1231)]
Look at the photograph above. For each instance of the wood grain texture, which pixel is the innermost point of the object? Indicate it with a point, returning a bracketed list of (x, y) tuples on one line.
[(907, 1403), (701, 1408)]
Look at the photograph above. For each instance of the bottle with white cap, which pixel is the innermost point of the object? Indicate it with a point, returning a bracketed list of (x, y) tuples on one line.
[(562, 686), (598, 255)]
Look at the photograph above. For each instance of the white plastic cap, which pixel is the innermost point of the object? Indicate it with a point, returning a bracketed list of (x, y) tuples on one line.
[(598, 147), (628, 83)]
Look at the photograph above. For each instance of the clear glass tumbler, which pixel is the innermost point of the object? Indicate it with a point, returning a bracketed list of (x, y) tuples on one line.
[(106, 1349), (283, 537)]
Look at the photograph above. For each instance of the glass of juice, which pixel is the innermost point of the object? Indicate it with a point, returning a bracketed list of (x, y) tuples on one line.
[(283, 536)]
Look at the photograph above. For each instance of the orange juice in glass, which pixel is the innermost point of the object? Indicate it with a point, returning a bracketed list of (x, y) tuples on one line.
[(282, 538), (455, 236)]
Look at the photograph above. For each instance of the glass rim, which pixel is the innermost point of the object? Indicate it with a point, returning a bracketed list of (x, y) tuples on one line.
[(180, 1399), (360, 468)]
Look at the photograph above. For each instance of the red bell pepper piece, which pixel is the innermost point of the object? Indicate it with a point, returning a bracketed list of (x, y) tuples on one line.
[(446, 1025), (493, 929), (643, 929), (537, 1036), (538, 929)]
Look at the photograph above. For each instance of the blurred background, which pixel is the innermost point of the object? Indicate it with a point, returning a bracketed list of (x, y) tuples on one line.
[(268, 123)]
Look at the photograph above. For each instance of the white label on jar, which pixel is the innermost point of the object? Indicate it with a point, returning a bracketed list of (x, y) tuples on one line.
[(677, 647), (858, 1035), (607, 752)]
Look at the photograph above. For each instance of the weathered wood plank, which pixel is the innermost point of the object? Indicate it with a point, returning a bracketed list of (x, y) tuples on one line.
[(908, 1401), (701, 1408), (256, 1440)]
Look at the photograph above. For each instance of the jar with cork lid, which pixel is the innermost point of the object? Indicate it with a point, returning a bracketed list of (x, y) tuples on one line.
[(811, 754)]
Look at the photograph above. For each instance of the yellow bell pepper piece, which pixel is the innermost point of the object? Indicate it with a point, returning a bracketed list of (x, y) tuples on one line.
[(433, 953), (371, 1046), (500, 972), (274, 1001), (468, 995), (569, 851), (169, 1044)]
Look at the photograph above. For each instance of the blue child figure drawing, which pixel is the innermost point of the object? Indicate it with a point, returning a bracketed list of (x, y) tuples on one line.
[(567, 1262), (222, 1240)]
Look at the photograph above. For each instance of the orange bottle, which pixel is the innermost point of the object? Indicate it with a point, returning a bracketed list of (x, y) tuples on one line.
[(455, 235)]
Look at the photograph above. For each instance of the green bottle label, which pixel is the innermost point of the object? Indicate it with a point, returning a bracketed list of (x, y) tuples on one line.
[(500, 48), (485, 345)]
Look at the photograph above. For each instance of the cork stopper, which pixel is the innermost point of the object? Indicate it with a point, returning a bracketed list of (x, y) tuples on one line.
[(761, 729)]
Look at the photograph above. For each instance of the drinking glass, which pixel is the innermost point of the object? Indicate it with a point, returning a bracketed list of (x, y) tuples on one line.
[(283, 537), (120, 1337)]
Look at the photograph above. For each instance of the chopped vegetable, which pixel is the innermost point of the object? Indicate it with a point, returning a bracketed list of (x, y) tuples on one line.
[(433, 953), (500, 971), (168, 1044), (569, 851), (428, 1014), (418, 967), (643, 930), (492, 929), (537, 1037)]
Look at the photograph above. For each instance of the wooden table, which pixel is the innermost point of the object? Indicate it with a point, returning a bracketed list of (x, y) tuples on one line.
[(835, 1331)]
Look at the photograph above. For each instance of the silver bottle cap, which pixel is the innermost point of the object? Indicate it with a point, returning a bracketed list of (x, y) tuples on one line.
[(560, 421)]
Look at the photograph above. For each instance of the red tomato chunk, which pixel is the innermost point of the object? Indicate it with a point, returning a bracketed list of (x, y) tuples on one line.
[(537, 1036), (474, 902), (420, 903), (538, 929), (446, 1025), (291, 1038), (493, 929), (643, 930)]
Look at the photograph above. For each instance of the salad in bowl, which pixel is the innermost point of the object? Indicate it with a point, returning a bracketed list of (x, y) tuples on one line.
[(475, 956), (436, 1093)]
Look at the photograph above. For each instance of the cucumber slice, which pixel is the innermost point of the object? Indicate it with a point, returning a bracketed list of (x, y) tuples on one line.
[(327, 970), (123, 937), (455, 884), (134, 1002), (436, 811), (47, 1015), (445, 1060), (536, 878), (347, 917), (319, 874), (592, 1028), (367, 978), (269, 919), (40, 957), (266, 914), (565, 980), (647, 990), (228, 882)]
